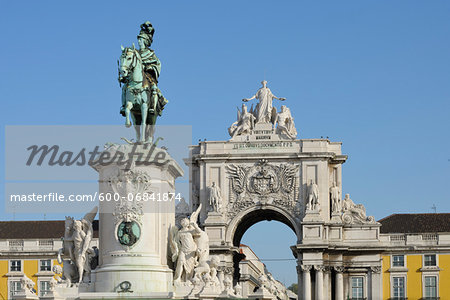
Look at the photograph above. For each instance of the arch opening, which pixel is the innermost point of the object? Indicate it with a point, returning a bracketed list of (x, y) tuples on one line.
[(257, 216), (269, 241)]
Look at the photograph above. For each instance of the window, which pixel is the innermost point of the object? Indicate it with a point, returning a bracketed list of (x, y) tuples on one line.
[(14, 287), (15, 266), (398, 287), (430, 287), (398, 260), (44, 288), (45, 265), (430, 260), (357, 288)]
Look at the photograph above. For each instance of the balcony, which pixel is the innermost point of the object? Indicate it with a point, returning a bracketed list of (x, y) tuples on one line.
[(31, 245)]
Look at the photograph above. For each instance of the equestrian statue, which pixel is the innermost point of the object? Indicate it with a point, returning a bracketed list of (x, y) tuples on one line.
[(142, 100)]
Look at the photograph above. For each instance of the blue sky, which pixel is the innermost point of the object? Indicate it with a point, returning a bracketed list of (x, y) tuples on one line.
[(372, 74)]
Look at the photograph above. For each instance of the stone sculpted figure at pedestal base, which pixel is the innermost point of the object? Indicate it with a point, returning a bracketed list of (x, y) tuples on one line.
[(189, 248), (27, 285), (78, 236)]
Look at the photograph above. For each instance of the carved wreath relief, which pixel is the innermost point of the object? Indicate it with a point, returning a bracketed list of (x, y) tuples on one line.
[(262, 183)]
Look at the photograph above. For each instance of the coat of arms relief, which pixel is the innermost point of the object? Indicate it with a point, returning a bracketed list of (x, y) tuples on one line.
[(128, 188), (262, 183)]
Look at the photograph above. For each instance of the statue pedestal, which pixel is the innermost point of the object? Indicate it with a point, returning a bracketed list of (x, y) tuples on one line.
[(336, 217), (134, 223), (215, 227), (262, 294), (312, 216), (209, 293)]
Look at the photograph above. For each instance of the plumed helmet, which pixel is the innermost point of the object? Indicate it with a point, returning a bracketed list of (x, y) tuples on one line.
[(146, 33)]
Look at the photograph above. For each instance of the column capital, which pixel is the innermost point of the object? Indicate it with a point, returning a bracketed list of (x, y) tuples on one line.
[(375, 269), (306, 268), (339, 269), (319, 268)]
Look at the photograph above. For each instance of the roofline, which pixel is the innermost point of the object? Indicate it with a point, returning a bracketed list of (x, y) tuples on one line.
[(411, 214)]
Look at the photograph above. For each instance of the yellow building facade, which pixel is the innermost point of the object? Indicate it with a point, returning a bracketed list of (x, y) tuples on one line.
[(416, 262), (35, 268), (30, 248), (416, 280)]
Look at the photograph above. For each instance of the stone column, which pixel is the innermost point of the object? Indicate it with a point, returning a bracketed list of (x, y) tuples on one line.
[(376, 287), (319, 282), (299, 283), (306, 282), (326, 283), (339, 283)]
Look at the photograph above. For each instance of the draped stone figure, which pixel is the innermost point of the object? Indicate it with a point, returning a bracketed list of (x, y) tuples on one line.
[(264, 110), (354, 213), (184, 248), (202, 267), (285, 122), (78, 255), (244, 124), (189, 248)]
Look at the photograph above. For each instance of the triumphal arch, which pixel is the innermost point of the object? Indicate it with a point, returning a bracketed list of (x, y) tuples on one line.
[(264, 172)]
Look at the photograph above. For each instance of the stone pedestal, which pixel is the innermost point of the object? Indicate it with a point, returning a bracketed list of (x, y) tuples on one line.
[(336, 217), (209, 292), (135, 222), (312, 216), (25, 295), (52, 296), (262, 294), (215, 227)]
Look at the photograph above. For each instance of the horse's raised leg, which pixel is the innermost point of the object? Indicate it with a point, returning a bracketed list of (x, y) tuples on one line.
[(144, 111), (128, 108)]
